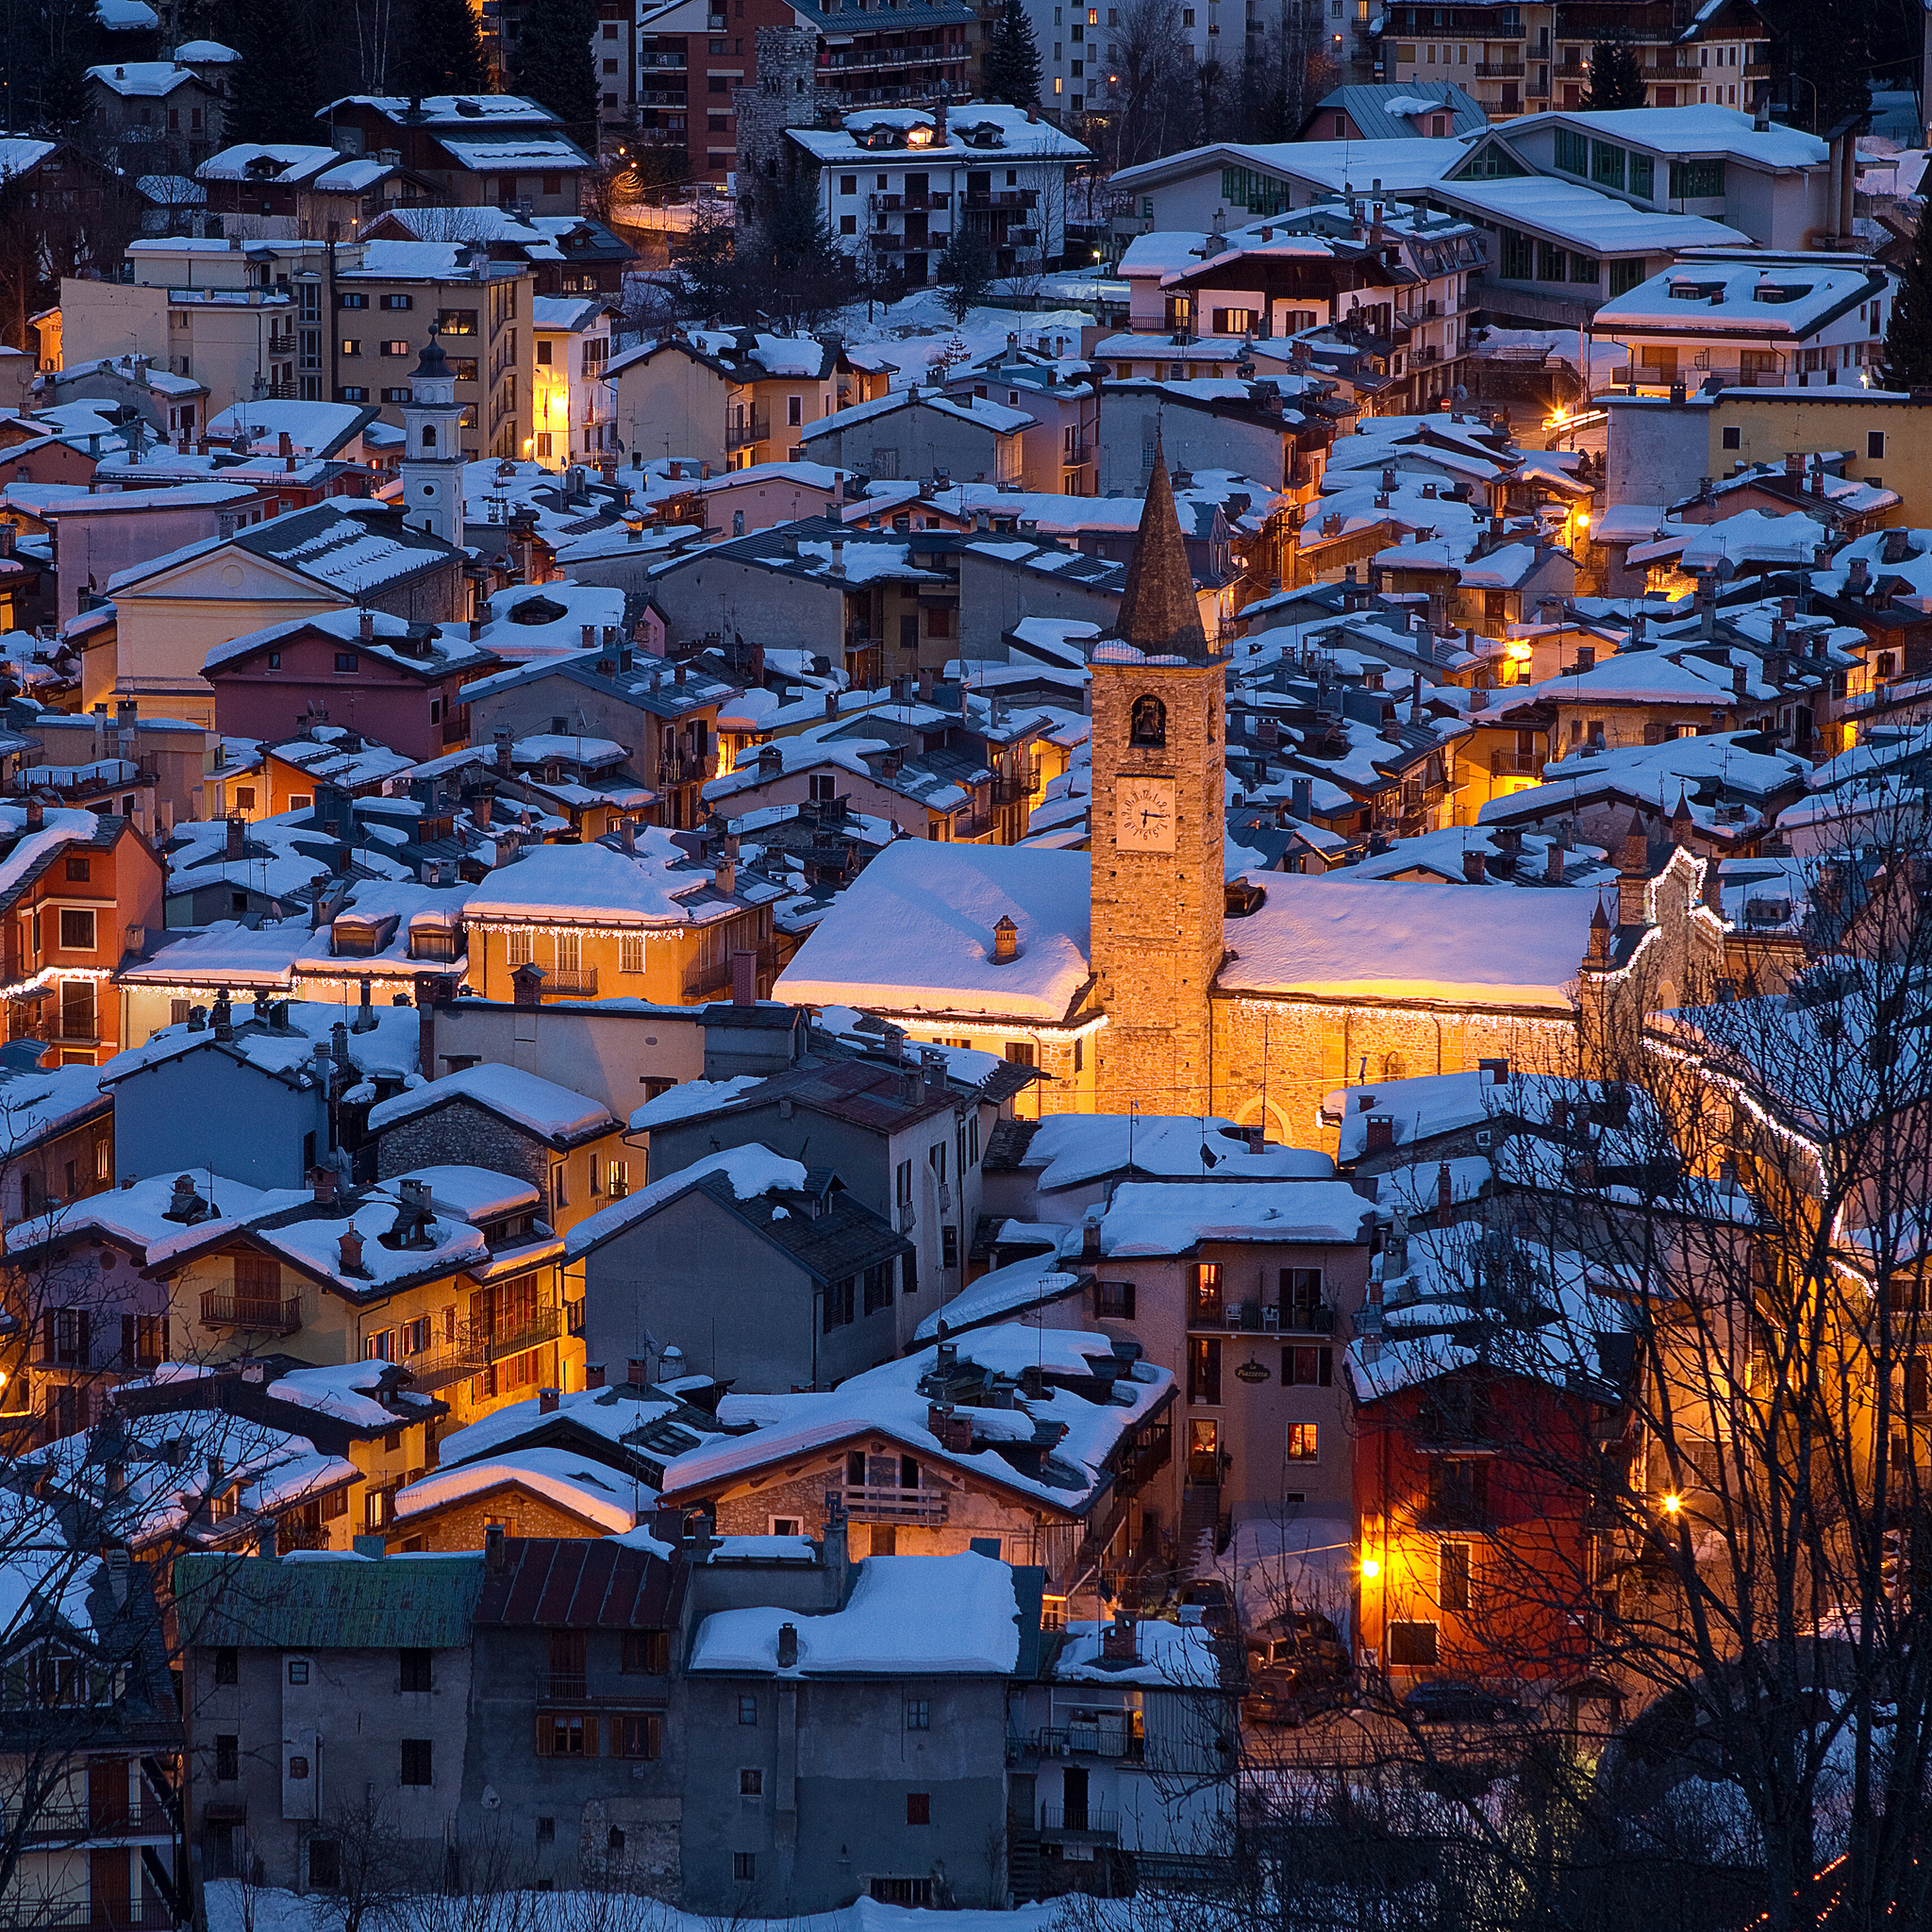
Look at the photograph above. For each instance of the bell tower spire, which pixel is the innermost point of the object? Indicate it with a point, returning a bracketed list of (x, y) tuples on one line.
[(432, 465), (1158, 889)]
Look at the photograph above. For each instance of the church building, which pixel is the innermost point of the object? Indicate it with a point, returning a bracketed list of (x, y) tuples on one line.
[(1137, 976)]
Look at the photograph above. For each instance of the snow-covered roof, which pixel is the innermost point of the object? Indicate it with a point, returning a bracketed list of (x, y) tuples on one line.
[(138, 1217), (144, 79), (1163, 1218), (1029, 1284), (591, 885), (1683, 132), (572, 1483), (1068, 1149), (1585, 218), (974, 410), (751, 1170), (539, 1106), (1015, 134), (906, 1616), (1176, 1657), (1754, 294), (1332, 938), (1402, 165), (915, 933)]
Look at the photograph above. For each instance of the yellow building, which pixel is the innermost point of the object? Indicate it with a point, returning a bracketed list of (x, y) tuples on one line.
[(1883, 436)]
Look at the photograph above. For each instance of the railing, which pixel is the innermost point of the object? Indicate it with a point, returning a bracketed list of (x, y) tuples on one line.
[(1095, 1740), (1499, 69), (871, 1503), (1250, 1318), (137, 1915), (1078, 451), (81, 1818), (542, 1326), (454, 1363), (223, 1310), (573, 983), (1515, 764), (1089, 1821), (1151, 1456), (674, 62), (745, 430), (704, 980)]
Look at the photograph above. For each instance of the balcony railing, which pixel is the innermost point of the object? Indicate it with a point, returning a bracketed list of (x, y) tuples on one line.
[(1515, 764), (577, 983), (1252, 1318), (702, 981), (1080, 1821), (1499, 69), (1097, 1740), (542, 1326), (222, 1309), (878, 1503), (745, 430)]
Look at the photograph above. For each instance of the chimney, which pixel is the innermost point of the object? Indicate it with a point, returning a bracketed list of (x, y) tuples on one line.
[(788, 1647), (1006, 942), (1120, 1642), (368, 626), (744, 977), (1473, 867), (36, 813), (365, 1014), (548, 1401), (285, 446), (638, 1372), (493, 1553), (503, 745), (236, 847), (593, 1375), (350, 1244), (1378, 1133), (323, 1180)]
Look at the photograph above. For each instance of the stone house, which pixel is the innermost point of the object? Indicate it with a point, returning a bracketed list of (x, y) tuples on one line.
[(569, 1149), (915, 433)]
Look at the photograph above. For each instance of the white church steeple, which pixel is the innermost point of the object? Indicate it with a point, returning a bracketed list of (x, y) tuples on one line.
[(433, 449)]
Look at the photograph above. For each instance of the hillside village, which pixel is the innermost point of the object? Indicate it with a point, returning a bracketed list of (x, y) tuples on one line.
[(999, 994)]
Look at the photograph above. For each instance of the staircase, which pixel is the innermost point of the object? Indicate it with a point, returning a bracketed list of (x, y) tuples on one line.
[(1022, 1863), (1200, 1529)]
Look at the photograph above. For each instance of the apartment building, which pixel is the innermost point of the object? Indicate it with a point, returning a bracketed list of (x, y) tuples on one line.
[(571, 407), (1519, 59), (478, 150), (386, 298)]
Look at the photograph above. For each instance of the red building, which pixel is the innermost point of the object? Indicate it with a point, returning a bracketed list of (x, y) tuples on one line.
[(395, 682)]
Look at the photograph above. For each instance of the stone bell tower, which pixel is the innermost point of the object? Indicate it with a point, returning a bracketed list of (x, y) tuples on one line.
[(1160, 703)]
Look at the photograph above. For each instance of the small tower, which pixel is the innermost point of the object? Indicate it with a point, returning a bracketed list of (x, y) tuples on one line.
[(433, 448)]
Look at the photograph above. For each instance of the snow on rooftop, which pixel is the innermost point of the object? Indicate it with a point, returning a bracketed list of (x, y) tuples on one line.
[(1336, 937), (952, 1616), (751, 1170), (571, 1482), (915, 933), (539, 1106), (691, 1098), (1170, 1218), (1028, 1283)]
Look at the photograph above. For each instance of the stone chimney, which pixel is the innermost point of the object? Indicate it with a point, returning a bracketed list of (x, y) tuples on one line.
[(349, 1245), (1006, 942)]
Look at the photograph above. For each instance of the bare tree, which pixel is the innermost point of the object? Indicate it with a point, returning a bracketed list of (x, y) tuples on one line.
[(1151, 103)]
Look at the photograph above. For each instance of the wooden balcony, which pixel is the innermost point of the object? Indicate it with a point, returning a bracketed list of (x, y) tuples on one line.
[(272, 1315)]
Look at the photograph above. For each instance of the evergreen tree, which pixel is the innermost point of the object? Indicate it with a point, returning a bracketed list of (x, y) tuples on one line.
[(554, 64), (444, 54), (1616, 76), (1908, 334), (274, 92), (1009, 69), (966, 269)]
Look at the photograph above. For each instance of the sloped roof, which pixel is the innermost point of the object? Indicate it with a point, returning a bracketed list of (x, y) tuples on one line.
[(1158, 613), (327, 1602)]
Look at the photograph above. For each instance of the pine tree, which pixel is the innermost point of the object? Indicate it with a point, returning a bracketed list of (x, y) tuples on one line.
[(1010, 70), (275, 88), (1908, 334), (554, 64), (965, 268), (1616, 76), (444, 54)]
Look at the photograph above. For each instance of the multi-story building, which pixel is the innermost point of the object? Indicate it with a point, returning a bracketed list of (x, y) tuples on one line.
[(1520, 58), (571, 411), (317, 192), (478, 150)]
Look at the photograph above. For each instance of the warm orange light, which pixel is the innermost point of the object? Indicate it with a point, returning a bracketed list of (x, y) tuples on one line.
[(1372, 1567), (1672, 1504)]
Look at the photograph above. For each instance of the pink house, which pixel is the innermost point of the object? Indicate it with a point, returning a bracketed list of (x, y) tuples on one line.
[(393, 681), (113, 530)]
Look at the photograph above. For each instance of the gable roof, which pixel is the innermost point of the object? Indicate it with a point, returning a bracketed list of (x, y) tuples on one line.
[(1387, 112), (316, 1602), (555, 1114)]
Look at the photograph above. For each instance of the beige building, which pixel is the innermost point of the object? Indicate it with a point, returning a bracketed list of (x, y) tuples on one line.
[(247, 319)]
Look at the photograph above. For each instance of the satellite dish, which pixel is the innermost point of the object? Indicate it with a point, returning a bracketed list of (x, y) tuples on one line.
[(1727, 570)]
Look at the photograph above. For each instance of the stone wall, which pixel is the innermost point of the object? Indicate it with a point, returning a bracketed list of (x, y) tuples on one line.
[(786, 96), (460, 1135), (461, 1526)]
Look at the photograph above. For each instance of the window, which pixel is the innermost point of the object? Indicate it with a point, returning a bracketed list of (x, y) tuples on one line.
[(919, 1714), (646, 1652), (458, 322), (351, 392), (839, 1301), (1550, 264), (416, 1761), (1205, 1303), (1607, 163), (563, 1735), (902, 1183), (463, 367), (879, 1287), (356, 301), (398, 302), (1452, 1590), (747, 1709), (1113, 1301), (1732, 437), (227, 1756), (1412, 1645), (1302, 1443), (751, 1783), (298, 1669), (396, 347), (78, 869), (1301, 1297), (542, 354), (348, 661), (1204, 1371), (227, 1664), (1308, 1368), (1573, 152), (546, 1831), (1696, 180), (917, 1807), (744, 1867), (630, 952), (325, 1867), (1625, 275), (413, 1674), (1517, 256), (638, 1736), (76, 930), (1643, 177), (794, 409), (1874, 443), (352, 345)]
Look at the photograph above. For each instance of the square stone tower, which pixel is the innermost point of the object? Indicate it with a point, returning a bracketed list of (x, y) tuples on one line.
[(1158, 892)]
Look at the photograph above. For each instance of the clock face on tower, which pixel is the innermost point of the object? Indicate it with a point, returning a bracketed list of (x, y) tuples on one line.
[(1144, 814)]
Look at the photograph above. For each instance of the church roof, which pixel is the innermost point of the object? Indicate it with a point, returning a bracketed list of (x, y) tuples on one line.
[(1159, 615)]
